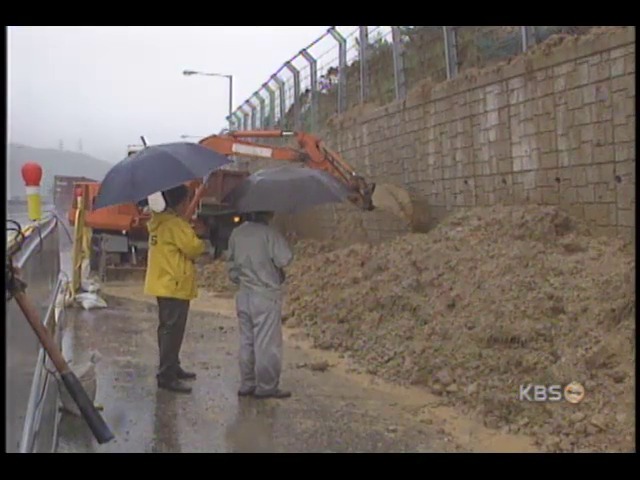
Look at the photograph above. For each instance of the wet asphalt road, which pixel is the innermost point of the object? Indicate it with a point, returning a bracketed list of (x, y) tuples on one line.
[(327, 413)]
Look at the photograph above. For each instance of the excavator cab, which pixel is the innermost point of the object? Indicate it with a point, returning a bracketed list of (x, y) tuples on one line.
[(220, 228), (208, 209)]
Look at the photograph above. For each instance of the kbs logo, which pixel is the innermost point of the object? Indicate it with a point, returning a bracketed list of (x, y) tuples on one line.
[(572, 393)]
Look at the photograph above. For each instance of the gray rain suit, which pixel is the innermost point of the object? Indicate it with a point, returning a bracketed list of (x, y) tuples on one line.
[(256, 256)]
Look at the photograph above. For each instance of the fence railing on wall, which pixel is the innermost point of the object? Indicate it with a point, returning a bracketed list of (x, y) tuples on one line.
[(376, 64)]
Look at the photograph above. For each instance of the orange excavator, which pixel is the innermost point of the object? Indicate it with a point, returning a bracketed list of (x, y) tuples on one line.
[(206, 205), (220, 219), (311, 152)]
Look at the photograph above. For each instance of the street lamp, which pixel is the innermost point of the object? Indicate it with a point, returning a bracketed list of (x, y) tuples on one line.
[(188, 73)]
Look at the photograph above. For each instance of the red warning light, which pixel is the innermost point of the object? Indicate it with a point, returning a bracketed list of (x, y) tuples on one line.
[(32, 174)]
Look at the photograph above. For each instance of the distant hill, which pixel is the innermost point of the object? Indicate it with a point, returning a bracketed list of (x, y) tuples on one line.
[(53, 162)]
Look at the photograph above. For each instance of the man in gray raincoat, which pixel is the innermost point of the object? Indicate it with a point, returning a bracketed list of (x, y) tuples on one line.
[(257, 255)]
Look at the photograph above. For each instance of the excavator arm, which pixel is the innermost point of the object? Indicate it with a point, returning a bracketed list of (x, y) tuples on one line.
[(311, 152)]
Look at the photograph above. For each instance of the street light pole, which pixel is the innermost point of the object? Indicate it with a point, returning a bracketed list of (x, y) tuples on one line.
[(230, 101), (229, 77)]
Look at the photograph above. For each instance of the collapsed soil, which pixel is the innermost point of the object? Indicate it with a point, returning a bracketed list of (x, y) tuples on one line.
[(213, 277), (491, 299)]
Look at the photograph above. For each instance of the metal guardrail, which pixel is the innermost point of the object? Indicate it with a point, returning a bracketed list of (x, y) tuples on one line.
[(32, 415), (376, 64), (43, 380)]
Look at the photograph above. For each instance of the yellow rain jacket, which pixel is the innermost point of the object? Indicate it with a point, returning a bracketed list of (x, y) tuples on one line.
[(173, 247)]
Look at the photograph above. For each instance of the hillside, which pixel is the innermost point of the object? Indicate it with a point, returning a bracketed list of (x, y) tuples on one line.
[(53, 162)]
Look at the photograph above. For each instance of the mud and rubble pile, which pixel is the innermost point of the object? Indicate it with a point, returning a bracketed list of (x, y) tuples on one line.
[(491, 299), (213, 276), (305, 249)]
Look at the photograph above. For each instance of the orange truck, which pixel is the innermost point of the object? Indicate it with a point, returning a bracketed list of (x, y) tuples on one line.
[(118, 233)]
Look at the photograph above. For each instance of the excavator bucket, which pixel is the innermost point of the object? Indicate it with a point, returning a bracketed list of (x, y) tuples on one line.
[(399, 202)]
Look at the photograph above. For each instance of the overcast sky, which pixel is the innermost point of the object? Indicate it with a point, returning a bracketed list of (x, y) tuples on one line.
[(109, 85)]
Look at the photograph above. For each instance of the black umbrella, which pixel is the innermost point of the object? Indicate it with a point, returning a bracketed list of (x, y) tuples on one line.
[(154, 169), (287, 189)]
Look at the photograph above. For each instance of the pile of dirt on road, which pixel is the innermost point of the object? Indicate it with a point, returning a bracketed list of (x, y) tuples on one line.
[(491, 299), (213, 276)]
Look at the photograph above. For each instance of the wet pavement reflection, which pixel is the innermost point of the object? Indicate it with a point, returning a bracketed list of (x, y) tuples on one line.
[(328, 412), (165, 431)]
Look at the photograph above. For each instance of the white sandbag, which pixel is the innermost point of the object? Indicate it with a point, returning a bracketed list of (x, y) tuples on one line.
[(87, 283), (90, 301), (86, 374)]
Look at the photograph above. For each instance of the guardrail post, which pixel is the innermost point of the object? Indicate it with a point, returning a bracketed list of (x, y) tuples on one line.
[(254, 116), (271, 116), (245, 119), (296, 94), (450, 51), (313, 71), (528, 38), (398, 64), (283, 105), (261, 102), (238, 120), (363, 52), (342, 69)]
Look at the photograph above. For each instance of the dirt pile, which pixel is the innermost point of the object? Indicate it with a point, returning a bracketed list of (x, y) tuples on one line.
[(308, 249), (491, 299), (213, 276)]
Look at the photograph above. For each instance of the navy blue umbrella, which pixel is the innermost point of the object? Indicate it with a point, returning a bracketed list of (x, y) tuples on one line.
[(154, 169)]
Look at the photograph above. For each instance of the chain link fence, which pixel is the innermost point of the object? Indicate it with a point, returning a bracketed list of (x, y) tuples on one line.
[(377, 65)]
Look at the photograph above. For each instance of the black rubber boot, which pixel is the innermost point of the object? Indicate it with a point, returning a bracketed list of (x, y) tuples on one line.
[(174, 386), (275, 394), (245, 392), (184, 375)]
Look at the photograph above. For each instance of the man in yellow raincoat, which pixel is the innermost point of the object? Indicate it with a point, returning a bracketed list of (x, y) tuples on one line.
[(171, 278)]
